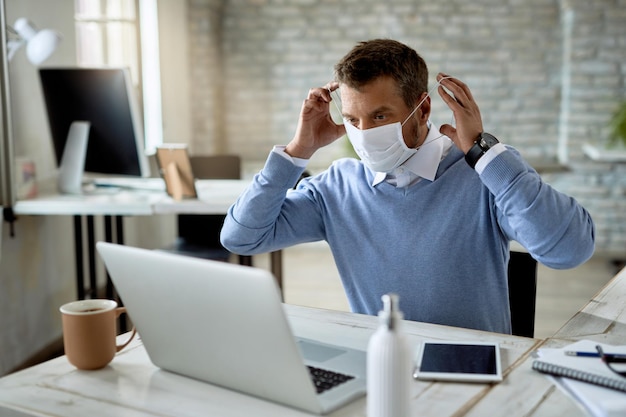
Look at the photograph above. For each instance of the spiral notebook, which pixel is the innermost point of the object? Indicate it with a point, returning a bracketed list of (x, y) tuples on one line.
[(587, 379), (590, 377)]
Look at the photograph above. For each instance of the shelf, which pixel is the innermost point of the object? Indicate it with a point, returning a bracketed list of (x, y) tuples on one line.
[(603, 154)]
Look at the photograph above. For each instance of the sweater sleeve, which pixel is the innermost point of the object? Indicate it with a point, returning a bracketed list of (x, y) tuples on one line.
[(263, 219), (553, 227)]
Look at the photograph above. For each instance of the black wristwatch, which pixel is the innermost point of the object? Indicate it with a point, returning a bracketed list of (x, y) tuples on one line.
[(484, 142)]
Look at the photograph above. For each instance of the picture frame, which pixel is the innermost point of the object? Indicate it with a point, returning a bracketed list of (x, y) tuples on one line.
[(175, 169)]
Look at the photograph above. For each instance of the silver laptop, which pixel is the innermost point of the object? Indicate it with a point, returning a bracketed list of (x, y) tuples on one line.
[(225, 324)]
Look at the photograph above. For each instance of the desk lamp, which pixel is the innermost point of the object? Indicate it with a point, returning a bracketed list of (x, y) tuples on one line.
[(39, 44)]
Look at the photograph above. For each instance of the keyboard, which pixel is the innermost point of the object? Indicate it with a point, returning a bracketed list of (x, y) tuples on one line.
[(150, 184), (325, 379)]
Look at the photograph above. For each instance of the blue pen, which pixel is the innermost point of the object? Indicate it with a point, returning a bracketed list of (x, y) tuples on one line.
[(585, 354), (616, 357)]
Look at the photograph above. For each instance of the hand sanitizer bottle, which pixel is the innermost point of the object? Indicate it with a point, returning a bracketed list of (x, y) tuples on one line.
[(388, 365)]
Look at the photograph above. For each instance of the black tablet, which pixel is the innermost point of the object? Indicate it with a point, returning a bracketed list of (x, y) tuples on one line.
[(459, 361)]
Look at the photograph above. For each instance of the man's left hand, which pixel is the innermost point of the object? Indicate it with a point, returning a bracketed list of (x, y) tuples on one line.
[(469, 123)]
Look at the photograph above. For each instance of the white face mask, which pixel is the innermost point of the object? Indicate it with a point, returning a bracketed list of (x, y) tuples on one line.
[(382, 148)]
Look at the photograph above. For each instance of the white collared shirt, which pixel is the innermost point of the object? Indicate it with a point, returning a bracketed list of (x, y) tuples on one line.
[(422, 165)]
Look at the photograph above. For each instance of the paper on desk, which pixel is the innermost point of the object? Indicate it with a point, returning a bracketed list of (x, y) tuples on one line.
[(597, 400)]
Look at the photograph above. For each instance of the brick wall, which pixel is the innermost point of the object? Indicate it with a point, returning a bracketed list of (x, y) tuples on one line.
[(248, 94), (596, 69), (205, 55)]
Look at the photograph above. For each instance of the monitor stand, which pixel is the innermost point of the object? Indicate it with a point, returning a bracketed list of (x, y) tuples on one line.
[(73, 160)]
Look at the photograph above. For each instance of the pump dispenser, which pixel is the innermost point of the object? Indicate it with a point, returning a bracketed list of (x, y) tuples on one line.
[(388, 364)]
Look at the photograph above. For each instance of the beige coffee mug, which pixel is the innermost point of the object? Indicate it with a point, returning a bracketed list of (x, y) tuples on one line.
[(89, 330)]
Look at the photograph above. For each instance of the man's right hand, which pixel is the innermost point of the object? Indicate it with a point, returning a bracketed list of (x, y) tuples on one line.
[(316, 127)]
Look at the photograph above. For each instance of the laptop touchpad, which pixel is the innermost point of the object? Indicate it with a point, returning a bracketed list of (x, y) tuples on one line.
[(318, 353)]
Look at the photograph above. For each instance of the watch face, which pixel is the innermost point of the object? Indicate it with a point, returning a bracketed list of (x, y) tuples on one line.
[(487, 141)]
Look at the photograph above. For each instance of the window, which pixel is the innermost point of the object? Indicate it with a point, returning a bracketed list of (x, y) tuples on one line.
[(107, 34), (124, 33)]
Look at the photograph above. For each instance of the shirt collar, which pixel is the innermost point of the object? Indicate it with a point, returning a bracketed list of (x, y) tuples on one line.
[(425, 162)]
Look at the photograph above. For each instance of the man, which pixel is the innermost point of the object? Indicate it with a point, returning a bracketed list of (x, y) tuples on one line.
[(426, 213)]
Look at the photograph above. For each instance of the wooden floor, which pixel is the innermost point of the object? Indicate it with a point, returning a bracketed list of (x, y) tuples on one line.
[(311, 279)]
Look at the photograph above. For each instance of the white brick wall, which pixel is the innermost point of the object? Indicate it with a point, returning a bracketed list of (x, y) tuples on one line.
[(254, 60)]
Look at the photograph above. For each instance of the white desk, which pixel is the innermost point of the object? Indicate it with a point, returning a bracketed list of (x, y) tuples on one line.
[(214, 197), (122, 202), (131, 386), (602, 319)]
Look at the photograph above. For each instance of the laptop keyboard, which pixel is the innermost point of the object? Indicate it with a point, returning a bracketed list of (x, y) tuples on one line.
[(325, 380)]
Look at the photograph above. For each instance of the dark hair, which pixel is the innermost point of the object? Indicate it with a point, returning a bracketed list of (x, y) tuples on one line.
[(372, 59)]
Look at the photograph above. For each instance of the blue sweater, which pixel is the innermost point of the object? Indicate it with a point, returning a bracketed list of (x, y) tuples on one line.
[(443, 246)]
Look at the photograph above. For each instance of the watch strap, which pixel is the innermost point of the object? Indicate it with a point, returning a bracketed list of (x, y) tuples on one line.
[(474, 154), (482, 144)]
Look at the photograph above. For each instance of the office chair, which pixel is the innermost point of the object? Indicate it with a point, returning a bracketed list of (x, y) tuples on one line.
[(199, 234), (522, 277)]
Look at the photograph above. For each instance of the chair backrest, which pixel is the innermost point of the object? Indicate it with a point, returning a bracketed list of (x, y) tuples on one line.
[(217, 167), (522, 277)]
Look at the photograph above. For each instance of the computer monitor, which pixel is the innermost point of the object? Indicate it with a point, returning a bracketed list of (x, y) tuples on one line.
[(104, 98)]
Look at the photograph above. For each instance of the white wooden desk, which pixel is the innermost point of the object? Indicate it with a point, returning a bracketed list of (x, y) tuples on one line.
[(131, 386), (214, 197), (602, 319), (112, 203)]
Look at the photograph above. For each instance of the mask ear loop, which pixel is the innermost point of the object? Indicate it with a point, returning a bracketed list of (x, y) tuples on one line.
[(335, 98), (437, 84)]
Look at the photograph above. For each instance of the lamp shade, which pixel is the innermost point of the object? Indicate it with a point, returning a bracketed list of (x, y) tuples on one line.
[(39, 44), (42, 45)]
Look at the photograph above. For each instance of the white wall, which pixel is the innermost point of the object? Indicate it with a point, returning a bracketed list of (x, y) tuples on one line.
[(29, 119), (37, 272)]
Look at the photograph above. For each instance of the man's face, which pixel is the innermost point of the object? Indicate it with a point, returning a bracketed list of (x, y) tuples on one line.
[(378, 103)]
